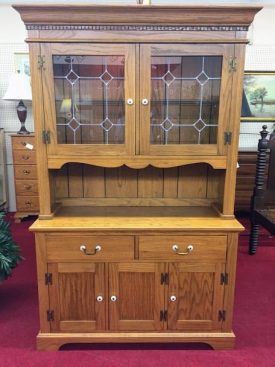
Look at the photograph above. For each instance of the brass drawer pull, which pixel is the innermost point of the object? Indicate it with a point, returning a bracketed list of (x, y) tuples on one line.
[(25, 157), (26, 171), (83, 249), (175, 248), (27, 187), (28, 203)]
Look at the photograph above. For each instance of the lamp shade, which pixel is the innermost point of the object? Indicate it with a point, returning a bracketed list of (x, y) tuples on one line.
[(19, 88), (66, 105)]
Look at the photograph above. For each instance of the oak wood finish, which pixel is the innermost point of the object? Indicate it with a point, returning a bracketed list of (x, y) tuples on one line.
[(25, 175), (136, 200), (134, 14), (53, 341)]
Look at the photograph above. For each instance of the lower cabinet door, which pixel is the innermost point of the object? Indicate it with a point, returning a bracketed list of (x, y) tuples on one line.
[(77, 297), (136, 296), (195, 297)]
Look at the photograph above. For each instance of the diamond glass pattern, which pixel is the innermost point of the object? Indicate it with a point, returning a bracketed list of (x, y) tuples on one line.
[(72, 77), (185, 99), (74, 124), (106, 77), (167, 125), (89, 99), (168, 78), (107, 124), (202, 78)]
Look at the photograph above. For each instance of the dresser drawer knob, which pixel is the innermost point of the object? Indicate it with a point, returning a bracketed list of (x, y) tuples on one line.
[(113, 298), (25, 157), (83, 249), (173, 298), (26, 172), (99, 298), (27, 187), (175, 248)]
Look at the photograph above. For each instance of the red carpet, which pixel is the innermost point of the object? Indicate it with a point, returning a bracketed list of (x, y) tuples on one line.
[(254, 321)]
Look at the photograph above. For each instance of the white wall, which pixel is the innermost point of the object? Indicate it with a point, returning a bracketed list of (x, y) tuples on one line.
[(260, 56)]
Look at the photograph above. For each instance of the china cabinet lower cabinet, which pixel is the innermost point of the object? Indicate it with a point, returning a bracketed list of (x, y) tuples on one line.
[(136, 287), (137, 112)]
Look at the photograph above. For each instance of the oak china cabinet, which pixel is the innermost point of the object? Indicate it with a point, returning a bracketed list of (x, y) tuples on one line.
[(136, 122)]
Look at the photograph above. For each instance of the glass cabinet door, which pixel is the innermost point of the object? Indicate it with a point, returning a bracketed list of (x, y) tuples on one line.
[(89, 104), (185, 100)]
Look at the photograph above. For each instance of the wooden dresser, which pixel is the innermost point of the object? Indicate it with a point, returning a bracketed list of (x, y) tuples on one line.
[(246, 175), (3, 173), (137, 112), (25, 175)]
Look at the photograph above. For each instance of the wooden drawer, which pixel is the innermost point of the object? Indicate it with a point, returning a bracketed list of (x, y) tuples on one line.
[(21, 142), (24, 157), (66, 247), (25, 171), (27, 204), (205, 248), (26, 187)]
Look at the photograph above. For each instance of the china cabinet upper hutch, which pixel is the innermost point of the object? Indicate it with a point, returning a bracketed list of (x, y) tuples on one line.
[(137, 119)]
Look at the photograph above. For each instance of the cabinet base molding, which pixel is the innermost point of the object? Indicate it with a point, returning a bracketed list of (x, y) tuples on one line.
[(53, 341), (18, 216)]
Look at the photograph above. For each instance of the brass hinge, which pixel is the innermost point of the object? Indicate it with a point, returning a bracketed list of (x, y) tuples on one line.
[(48, 278), (232, 64), (224, 278), (163, 315), (228, 137), (221, 316), (50, 315), (164, 278), (40, 62), (46, 137)]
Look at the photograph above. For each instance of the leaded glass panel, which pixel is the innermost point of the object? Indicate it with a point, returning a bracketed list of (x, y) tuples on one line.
[(185, 99), (89, 99)]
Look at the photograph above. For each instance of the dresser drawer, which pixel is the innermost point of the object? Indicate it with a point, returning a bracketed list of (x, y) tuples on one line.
[(26, 187), (27, 204), (21, 142), (24, 157), (204, 248), (69, 247), (25, 171)]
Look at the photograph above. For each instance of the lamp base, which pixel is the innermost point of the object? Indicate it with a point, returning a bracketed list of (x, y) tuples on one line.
[(23, 131), (22, 115)]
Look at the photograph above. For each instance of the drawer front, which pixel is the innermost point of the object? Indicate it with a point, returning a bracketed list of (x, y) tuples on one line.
[(27, 204), (26, 187), (25, 171), (204, 248), (68, 248), (24, 157), (21, 142)]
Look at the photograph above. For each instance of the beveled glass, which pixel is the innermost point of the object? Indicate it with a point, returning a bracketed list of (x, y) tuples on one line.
[(185, 93), (89, 99)]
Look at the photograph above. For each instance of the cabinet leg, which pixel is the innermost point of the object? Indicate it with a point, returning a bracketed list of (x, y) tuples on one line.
[(253, 240), (50, 344)]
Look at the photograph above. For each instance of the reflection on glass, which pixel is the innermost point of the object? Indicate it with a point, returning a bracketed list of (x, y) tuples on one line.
[(89, 99), (185, 99)]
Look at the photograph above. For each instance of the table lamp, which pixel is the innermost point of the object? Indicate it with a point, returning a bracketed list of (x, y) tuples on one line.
[(19, 89)]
